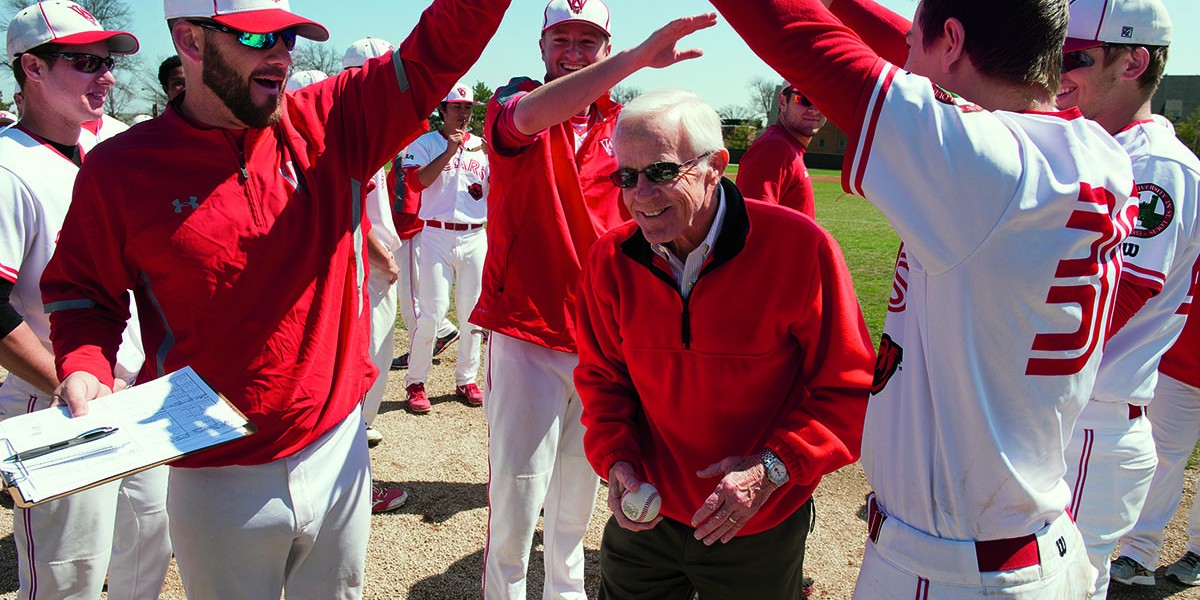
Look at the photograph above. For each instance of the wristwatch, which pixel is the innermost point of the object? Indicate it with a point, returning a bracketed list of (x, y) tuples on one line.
[(776, 470)]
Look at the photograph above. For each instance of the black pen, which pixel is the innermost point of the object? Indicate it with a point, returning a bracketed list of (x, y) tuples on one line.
[(83, 438)]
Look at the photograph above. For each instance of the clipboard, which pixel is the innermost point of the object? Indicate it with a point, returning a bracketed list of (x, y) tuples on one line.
[(156, 422)]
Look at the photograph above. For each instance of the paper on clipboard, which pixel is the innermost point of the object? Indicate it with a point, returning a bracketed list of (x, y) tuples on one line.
[(157, 422)]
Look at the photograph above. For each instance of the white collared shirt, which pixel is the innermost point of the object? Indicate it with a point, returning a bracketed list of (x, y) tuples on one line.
[(686, 272)]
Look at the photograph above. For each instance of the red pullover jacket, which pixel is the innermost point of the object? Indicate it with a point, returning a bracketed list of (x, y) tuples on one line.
[(756, 357), (547, 206), (244, 248)]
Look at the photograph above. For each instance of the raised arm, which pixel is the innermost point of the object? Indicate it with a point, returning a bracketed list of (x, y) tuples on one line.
[(567, 96), (883, 30), (802, 41)]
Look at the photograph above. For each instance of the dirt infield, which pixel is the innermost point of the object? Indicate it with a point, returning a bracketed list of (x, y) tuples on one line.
[(432, 548)]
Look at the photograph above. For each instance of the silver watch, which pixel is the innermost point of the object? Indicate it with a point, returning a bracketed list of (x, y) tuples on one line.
[(776, 470)]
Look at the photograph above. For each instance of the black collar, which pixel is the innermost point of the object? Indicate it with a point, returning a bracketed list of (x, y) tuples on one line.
[(730, 240)]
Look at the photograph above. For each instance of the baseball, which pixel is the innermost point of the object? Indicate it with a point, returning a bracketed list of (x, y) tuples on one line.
[(641, 506)]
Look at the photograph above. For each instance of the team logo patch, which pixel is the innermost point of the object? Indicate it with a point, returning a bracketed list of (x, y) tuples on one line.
[(941, 95), (607, 145), (1156, 210), (886, 363), (1127, 32), (475, 190), (576, 5), (462, 92)]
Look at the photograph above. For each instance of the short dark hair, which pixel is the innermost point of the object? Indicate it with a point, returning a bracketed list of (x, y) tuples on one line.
[(1017, 42), (165, 69), (1153, 74), (19, 70)]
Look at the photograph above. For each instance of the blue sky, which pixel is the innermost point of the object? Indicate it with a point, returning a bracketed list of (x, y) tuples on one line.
[(720, 76)]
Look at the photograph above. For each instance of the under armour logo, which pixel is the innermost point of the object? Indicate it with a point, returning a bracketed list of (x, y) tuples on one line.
[(192, 202), (1061, 544), (576, 5), (85, 14), (1127, 32)]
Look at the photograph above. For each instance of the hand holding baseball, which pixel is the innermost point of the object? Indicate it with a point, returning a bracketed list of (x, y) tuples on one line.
[(622, 480)]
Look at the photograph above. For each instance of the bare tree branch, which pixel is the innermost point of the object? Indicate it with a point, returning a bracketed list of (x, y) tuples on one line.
[(314, 55), (623, 94)]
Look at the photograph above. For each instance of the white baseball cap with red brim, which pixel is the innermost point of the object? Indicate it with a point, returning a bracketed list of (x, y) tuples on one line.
[(591, 12), (1093, 23), (461, 92), (62, 22), (251, 16)]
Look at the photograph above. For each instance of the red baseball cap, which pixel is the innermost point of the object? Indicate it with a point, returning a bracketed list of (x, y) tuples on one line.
[(251, 16)]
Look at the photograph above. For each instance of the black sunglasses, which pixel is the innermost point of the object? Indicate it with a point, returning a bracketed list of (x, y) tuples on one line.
[(659, 172), (1076, 60), (84, 63), (258, 41), (798, 98)]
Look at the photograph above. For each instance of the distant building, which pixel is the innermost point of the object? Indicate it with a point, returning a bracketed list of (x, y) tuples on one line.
[(1177, 97)]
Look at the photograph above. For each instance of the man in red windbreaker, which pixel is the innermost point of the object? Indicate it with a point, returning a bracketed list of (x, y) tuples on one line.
[(238, 220), (734, 431), (550, 149)]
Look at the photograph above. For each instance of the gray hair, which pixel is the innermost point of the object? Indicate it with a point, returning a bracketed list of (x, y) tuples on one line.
[(698, 123)]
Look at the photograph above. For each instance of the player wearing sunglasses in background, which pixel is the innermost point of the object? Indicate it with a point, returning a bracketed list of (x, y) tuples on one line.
[(734, 431), (238, 220), (550, 152), (61, 61), (772, 170), (1114, 58)]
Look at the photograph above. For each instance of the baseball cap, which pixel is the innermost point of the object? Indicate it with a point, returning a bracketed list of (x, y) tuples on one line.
[(1094, 23), (461, 92), (301, 79), (251, 16), (362, 50), (62, 22), (592, 12)]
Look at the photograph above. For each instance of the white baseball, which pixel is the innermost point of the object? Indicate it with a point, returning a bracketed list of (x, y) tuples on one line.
[(641, 506)]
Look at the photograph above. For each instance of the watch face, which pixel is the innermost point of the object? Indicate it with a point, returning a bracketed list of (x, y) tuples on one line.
[(778, 472)]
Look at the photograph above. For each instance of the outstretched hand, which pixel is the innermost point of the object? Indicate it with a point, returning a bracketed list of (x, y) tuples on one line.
[(659, 49)]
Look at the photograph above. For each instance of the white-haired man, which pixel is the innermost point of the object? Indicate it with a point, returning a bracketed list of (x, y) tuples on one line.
[(62, 61), (249, 267), (657, 301)]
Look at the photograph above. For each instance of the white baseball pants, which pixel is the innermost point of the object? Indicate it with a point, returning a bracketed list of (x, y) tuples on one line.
[(448, 258), (383, 333), (1175, 416), (904, 563), (297, 525), (407, 258), (536, 460), (1110, 462), (65, 547)]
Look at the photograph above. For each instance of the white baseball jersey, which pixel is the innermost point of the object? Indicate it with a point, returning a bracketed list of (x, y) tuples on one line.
[(1011, 224), (36, 182), (459, 195), (1158, 254)]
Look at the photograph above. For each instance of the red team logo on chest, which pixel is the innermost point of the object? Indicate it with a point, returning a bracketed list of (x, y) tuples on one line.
[(475, 190)]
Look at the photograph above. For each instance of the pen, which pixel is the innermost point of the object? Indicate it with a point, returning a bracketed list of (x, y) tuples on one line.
[(83, 438)]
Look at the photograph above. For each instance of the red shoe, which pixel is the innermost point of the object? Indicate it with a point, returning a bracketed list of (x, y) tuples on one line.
[(471, 393), (418, 402), (385, 500)]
